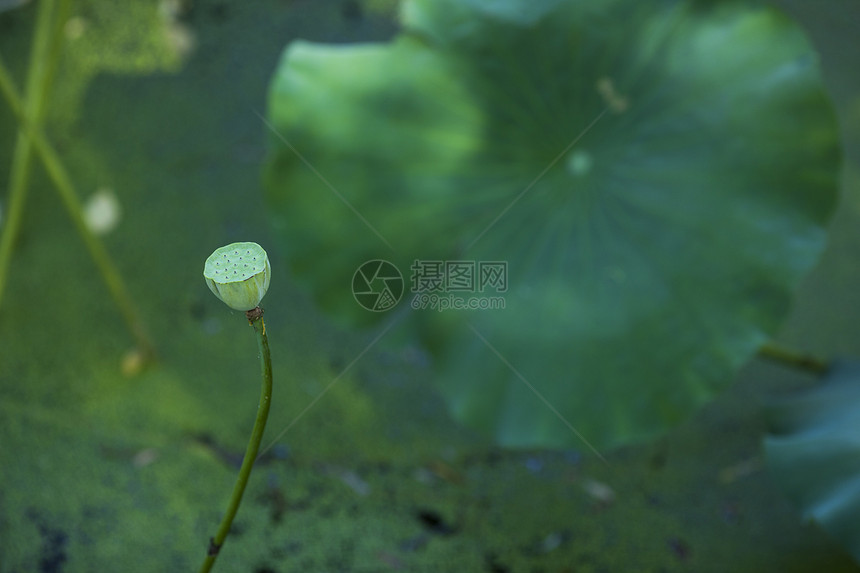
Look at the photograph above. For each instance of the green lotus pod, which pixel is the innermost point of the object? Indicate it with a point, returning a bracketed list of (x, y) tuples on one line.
[(238, 274)]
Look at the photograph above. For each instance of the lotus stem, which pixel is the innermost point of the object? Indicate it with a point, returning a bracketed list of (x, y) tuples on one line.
[(255, 318), (32, 110)]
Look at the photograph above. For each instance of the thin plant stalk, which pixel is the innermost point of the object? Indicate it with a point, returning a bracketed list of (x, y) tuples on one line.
[(255, 318), (33, 110), (63, 183), (777, 353)]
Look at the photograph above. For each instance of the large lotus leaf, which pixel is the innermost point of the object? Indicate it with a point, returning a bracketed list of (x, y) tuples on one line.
[(413, 165), (649, 255), (813, 451)]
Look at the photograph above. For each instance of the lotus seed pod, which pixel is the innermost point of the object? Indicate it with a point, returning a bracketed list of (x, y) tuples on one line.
[(238, 274)]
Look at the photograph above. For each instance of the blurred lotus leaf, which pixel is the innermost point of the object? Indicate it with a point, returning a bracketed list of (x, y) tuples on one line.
[(657, 175), (813, 452)]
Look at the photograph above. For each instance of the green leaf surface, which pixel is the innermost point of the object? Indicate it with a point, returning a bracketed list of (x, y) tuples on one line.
[(656, 175), (813, 451)]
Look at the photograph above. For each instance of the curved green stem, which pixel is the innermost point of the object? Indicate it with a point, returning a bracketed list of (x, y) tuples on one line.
[(793, 358), (216, 542)]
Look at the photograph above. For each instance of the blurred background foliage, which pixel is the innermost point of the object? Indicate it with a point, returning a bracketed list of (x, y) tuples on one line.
[(156, 102), (813, 449), (633, 164)]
